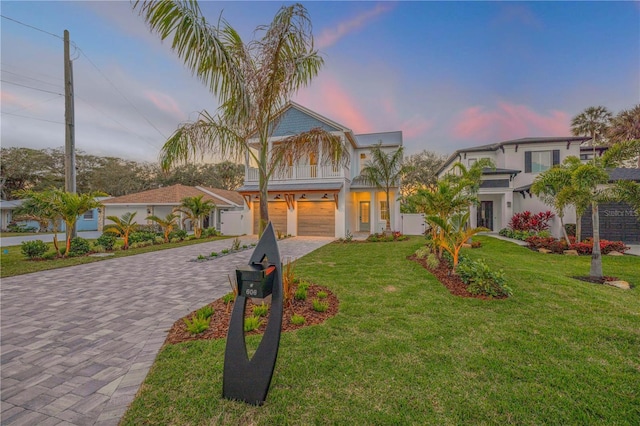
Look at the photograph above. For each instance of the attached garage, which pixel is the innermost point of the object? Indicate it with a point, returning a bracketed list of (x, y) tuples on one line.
[(316, 218), (277, 215)]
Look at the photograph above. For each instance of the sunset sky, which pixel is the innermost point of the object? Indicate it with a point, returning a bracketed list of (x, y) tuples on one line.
[(449, 75)]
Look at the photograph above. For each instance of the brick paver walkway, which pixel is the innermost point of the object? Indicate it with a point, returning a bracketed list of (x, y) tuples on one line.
[(76, 343)]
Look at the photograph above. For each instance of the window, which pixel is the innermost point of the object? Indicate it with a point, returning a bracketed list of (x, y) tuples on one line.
[(88, 215), (472, 161), (384, 211), (539, 161)]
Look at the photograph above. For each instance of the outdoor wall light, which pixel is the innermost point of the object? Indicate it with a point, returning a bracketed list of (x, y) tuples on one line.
[(303, 197), (324, 197), (509, 204), (277, 197)]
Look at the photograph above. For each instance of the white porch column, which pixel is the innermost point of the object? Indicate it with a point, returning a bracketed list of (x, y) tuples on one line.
[(507, 210)]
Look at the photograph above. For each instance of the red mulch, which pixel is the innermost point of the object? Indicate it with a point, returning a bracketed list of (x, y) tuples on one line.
[(453, 283), (219, 322)]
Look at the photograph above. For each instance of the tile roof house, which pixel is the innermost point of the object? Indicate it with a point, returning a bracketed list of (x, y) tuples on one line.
[(161, 201), (311, 198), (505, 190)]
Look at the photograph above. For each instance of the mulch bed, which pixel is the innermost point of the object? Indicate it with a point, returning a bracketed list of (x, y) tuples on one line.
[(453, 283), (219, 323), (595, 280)]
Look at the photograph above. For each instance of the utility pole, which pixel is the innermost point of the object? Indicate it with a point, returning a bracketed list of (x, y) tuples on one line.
[(69, 142)]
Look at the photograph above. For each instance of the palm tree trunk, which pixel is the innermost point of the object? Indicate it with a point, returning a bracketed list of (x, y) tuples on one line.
[(564, 231), (596, 257), (388, 228), (578, 227), (264, 203)]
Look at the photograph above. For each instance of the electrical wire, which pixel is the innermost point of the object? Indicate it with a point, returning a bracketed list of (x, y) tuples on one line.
[(31, 87), (32, 118), (32, 27), (33, 104), (56, 85)]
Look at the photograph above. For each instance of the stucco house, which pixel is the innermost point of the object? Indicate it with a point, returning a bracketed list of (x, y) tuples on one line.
[(161, 201), (86, 222), (506, 190), (314, 199)]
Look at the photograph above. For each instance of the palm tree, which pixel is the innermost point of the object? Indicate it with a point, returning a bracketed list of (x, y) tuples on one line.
[(548, 185), (454, 234), (253, 83), (122, 226), (167, 224), (194, 209), (70, 205), (383, 171), (41, 206), (625, 126), (594, 122)]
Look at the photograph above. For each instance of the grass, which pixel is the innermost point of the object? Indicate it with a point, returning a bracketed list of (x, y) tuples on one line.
[(15, 263), (402, 350)]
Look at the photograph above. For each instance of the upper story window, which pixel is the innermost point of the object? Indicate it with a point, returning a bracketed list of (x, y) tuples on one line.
[(539, 161), (472, 161)]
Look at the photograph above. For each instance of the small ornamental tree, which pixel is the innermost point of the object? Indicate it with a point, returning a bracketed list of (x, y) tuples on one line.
[(122, 226)]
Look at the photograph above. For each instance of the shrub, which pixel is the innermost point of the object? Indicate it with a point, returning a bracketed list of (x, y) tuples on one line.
[(197, 324), (225, 251), (525, 221), (480, 279), (476, 244), (423, 252), (300, 294), (261, 310), (34, 249), (228, 298), (214, 254), (180, 234), (252, 323), (79, 247), (175, 240), (158, 240), (570, 228), (201, 257), (98, 249), (20, 227), (432, 261), (205, 312), (320, 306), (210, 232), (322, 295), (142, 236), (235, 244), (297, 319), (606, 247), (106, 240)]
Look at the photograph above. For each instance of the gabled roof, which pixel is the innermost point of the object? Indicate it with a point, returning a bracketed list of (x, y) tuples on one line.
[(173, 195), (521, 141)]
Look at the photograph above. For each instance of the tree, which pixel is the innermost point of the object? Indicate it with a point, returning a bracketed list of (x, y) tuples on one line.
[(194, 209), (41, 206), (454, 234), (548, 185), (420, 171), (70, 205), (383, 171), (122, 226), (167, 224), (625, 126), (227, 175), (593, 122), (253, 83)]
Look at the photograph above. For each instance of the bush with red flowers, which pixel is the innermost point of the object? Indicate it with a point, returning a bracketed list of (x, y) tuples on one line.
[(584, 248), (526, 221)]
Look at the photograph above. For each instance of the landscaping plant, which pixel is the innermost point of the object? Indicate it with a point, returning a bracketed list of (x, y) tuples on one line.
[(252, 323), (197, 324), (34, 249)]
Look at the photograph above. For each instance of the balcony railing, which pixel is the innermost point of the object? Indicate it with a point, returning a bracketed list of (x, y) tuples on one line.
[(300, 173)]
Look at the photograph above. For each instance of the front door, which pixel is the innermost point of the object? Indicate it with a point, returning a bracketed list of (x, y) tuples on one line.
[(365, 225), (485, 214)]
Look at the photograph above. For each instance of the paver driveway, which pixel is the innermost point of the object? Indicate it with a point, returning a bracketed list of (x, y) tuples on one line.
[(76, 343)]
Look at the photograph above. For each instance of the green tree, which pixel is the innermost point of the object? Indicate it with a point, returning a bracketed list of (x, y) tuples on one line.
[(43, 207), (195, 209), (167, 224), (548, 186), (122, 226), (593, 122), (253, 83), (420, 171), (383, 171), (70, 205)]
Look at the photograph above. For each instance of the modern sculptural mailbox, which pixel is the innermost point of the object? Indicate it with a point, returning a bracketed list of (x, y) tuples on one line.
[(247, 379)]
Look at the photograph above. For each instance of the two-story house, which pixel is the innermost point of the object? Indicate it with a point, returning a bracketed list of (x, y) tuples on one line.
[(505, 190), (314, 199)]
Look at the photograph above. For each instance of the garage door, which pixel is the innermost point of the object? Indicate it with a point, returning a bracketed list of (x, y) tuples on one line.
[(277, 215), (317, 218)]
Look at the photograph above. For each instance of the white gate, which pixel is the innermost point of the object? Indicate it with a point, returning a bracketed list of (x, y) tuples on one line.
[(413, 223), (234, 222)]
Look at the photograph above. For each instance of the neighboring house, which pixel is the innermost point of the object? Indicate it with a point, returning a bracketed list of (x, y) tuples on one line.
[(506, 190), (160, 202), (315, 199), (85, 222)]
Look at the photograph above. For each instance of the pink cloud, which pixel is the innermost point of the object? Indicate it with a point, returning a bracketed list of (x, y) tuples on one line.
[(415, 126), (9, 99), (509, 121), (330, 36), (165, 103)]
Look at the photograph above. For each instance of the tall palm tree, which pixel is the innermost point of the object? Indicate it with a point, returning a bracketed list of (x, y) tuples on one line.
[(383, 171), (122, 226), (253, 83), (195, 209), (593, 122), (167, 224), (70, 205), (625, 126), (548, 186)]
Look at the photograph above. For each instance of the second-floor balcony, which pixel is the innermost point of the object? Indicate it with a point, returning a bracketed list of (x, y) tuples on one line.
[(299, 173)]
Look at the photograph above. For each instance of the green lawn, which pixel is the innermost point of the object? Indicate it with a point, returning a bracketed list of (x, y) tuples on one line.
[(402, 350), (13, 262)]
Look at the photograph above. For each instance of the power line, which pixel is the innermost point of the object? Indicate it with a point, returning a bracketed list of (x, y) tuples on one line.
[(32, 118), (32, 27), (31, 87), (57, 85), (34, 104), (121, 94)]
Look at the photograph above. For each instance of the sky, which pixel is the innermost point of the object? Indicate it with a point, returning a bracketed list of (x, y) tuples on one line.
[(449, 75)]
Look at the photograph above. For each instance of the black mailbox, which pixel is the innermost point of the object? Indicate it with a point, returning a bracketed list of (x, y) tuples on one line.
[(255, 280)]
